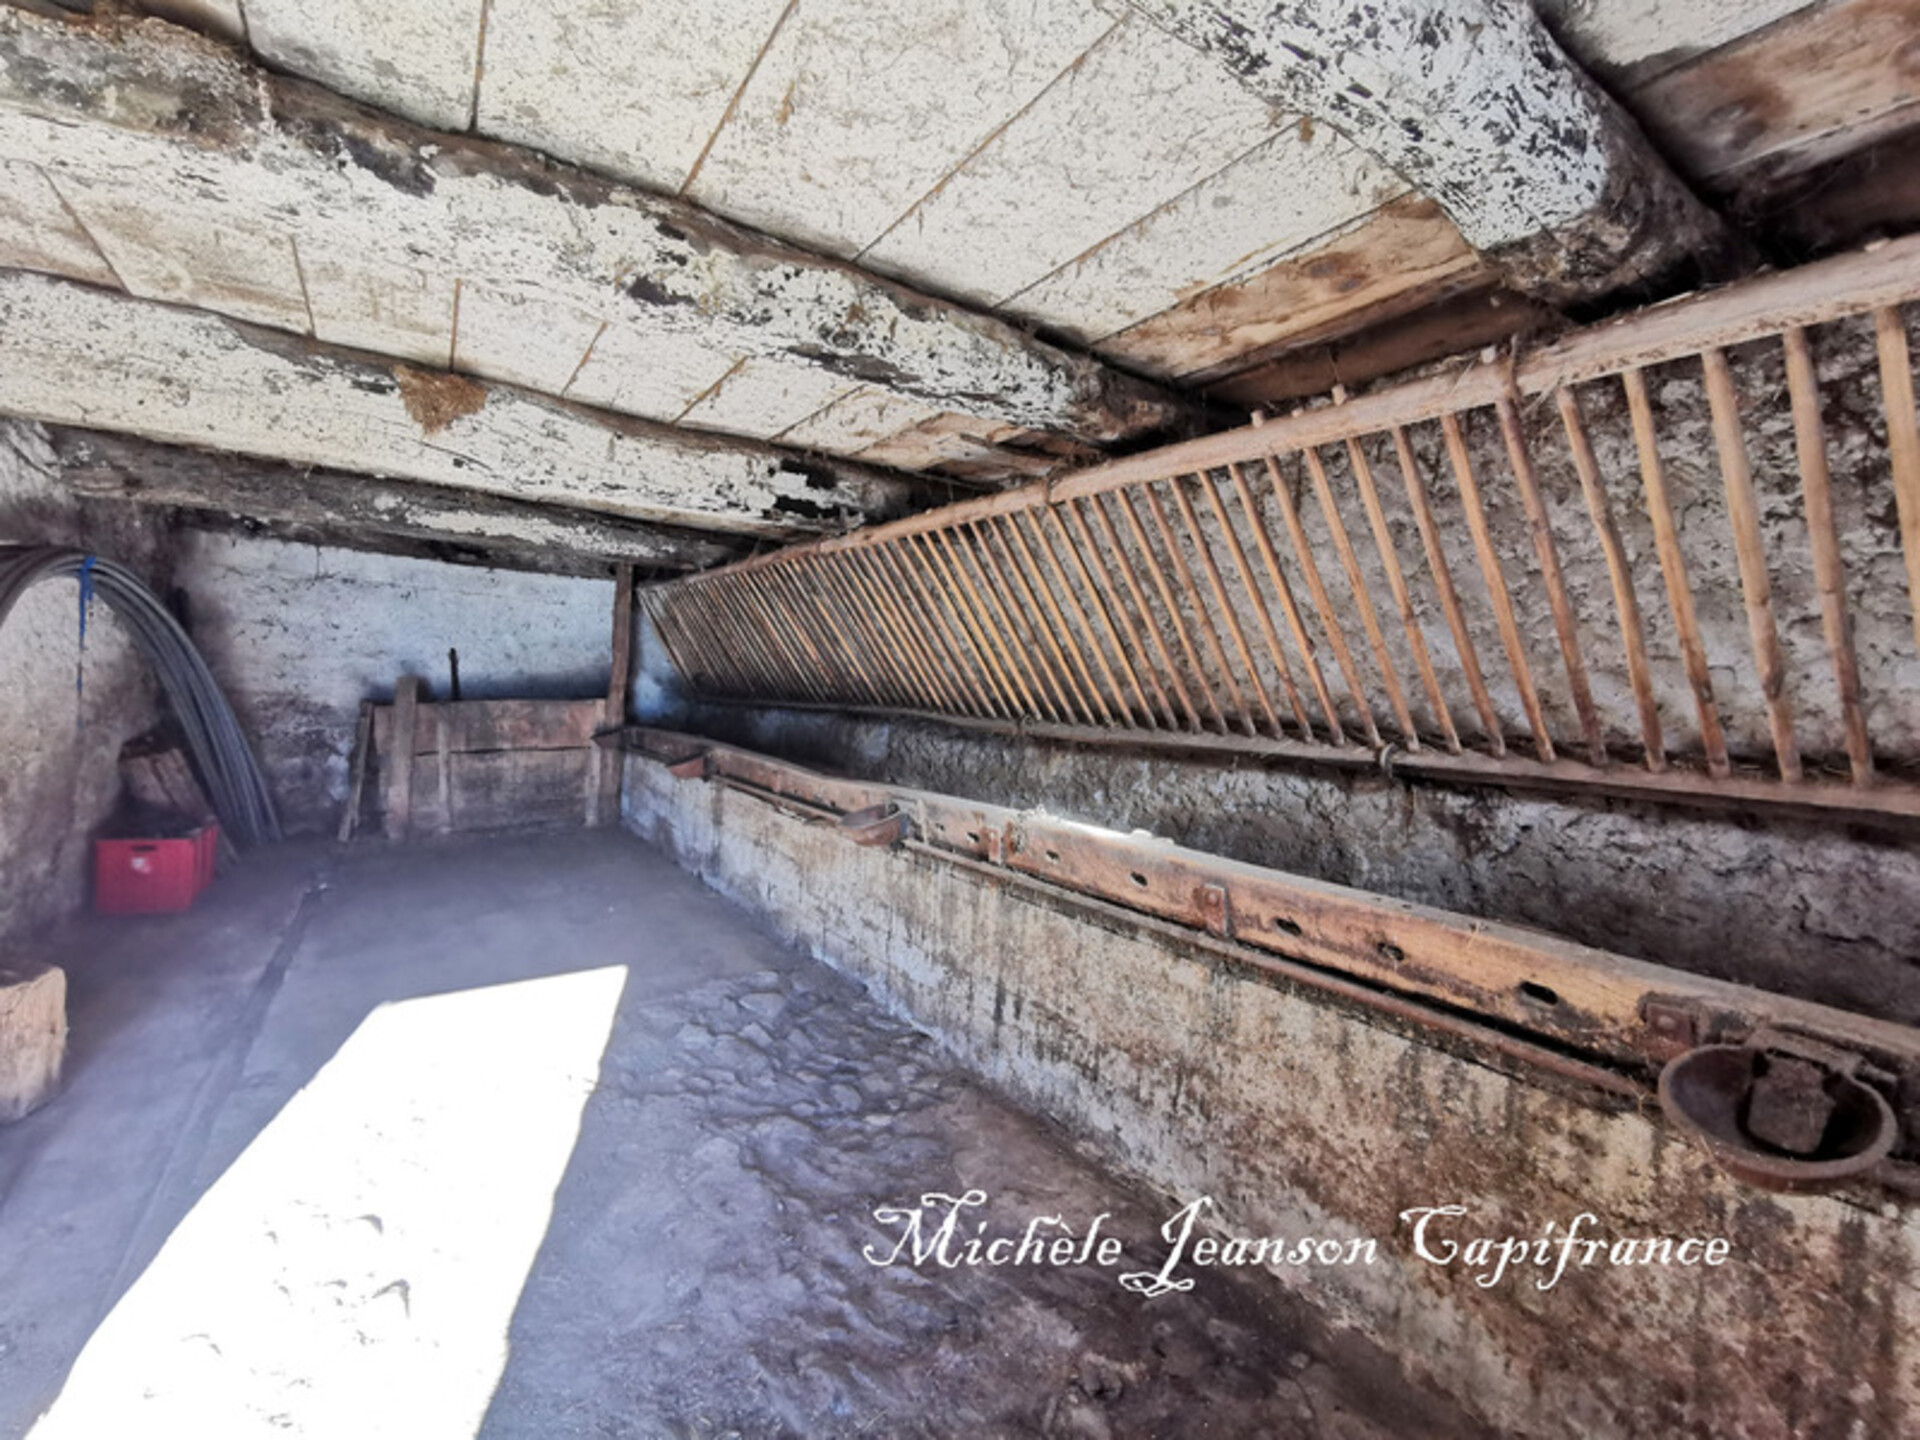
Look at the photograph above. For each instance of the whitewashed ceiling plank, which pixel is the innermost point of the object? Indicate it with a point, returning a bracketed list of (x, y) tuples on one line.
[(634, 91), (162, 253), (72, 354), (520, 339), (1304, 183), (37, 232), (650, 375), (859, 108), (415, 58), (763, 397), (1132, 127), (389, 309)]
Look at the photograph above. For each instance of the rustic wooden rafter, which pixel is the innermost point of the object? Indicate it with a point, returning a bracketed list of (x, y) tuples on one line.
[(75, 355), (202, 177), (364, 511)]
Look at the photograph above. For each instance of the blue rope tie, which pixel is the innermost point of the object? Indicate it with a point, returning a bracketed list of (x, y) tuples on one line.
[(80, 663)]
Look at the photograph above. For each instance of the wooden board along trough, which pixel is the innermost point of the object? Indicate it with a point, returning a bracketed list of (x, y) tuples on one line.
[(1622, 1014)]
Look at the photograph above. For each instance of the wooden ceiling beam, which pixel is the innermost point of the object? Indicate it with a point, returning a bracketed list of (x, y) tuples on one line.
[(366, 512), (74, 354), (202, 178), (1476, 106)]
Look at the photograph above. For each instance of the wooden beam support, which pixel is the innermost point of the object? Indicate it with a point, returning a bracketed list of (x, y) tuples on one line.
[(363, 512), (399, 770), (1474, 104), (203, 178), (606, 763), (76, 355)]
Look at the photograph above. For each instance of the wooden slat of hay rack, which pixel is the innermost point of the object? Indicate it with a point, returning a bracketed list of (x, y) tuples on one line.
[(1191, 596)]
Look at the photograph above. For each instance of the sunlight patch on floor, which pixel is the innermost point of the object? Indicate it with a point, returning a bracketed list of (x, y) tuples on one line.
[(356, 1271)]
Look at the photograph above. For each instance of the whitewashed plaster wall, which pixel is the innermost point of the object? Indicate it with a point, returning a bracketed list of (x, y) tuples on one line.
[(298, 636)]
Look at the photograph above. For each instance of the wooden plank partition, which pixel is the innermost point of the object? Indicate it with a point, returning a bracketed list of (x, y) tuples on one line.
[(482, 764)]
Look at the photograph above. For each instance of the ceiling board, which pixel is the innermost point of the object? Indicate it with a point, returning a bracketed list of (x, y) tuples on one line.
[(635, 91), (653, 376), (1809, 89), (523, 340), (1405, 254), (1302, 184), (856, 421), (415, 58), (241, 270), (859, 108), (762, 397), (38, 232), (1135, 124), (1632, 41), (390, 309), (83, 356)]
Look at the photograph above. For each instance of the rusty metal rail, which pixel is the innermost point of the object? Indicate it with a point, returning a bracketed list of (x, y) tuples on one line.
[(1636, 559)]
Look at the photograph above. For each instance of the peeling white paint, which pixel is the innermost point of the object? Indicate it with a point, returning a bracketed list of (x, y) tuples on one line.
[(78, 356), (237, 269), (1285, 195), (519, 340), (855, 421), (37, 233), (859, 107), (650, 375), (635, 91), (1468, 99), (763, 397), (85, 106), (1135, 125), (942, 439), (392, 310), (413, 57), (1618, 34)]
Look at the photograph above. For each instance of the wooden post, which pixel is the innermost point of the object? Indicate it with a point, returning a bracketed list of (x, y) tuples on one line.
[(1829, 571), (606, 801), (357, 771), (399, 806), (1673, 568), (443, 767), (1750, 549)]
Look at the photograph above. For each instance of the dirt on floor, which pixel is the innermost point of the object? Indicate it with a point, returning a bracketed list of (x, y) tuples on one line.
[(268, 1178)]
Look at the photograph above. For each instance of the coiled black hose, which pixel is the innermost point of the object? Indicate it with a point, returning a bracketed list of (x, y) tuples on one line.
[(235, 787)]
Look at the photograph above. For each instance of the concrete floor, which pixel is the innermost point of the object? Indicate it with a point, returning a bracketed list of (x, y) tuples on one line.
[(536, 1137)]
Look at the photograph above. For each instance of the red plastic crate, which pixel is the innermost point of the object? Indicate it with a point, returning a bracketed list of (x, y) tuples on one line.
[(146, 877), (207, 851)]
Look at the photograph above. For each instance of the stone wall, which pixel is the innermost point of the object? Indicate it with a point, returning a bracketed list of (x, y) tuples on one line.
[(60, 745), (1807, 908), (1301, 1119)]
